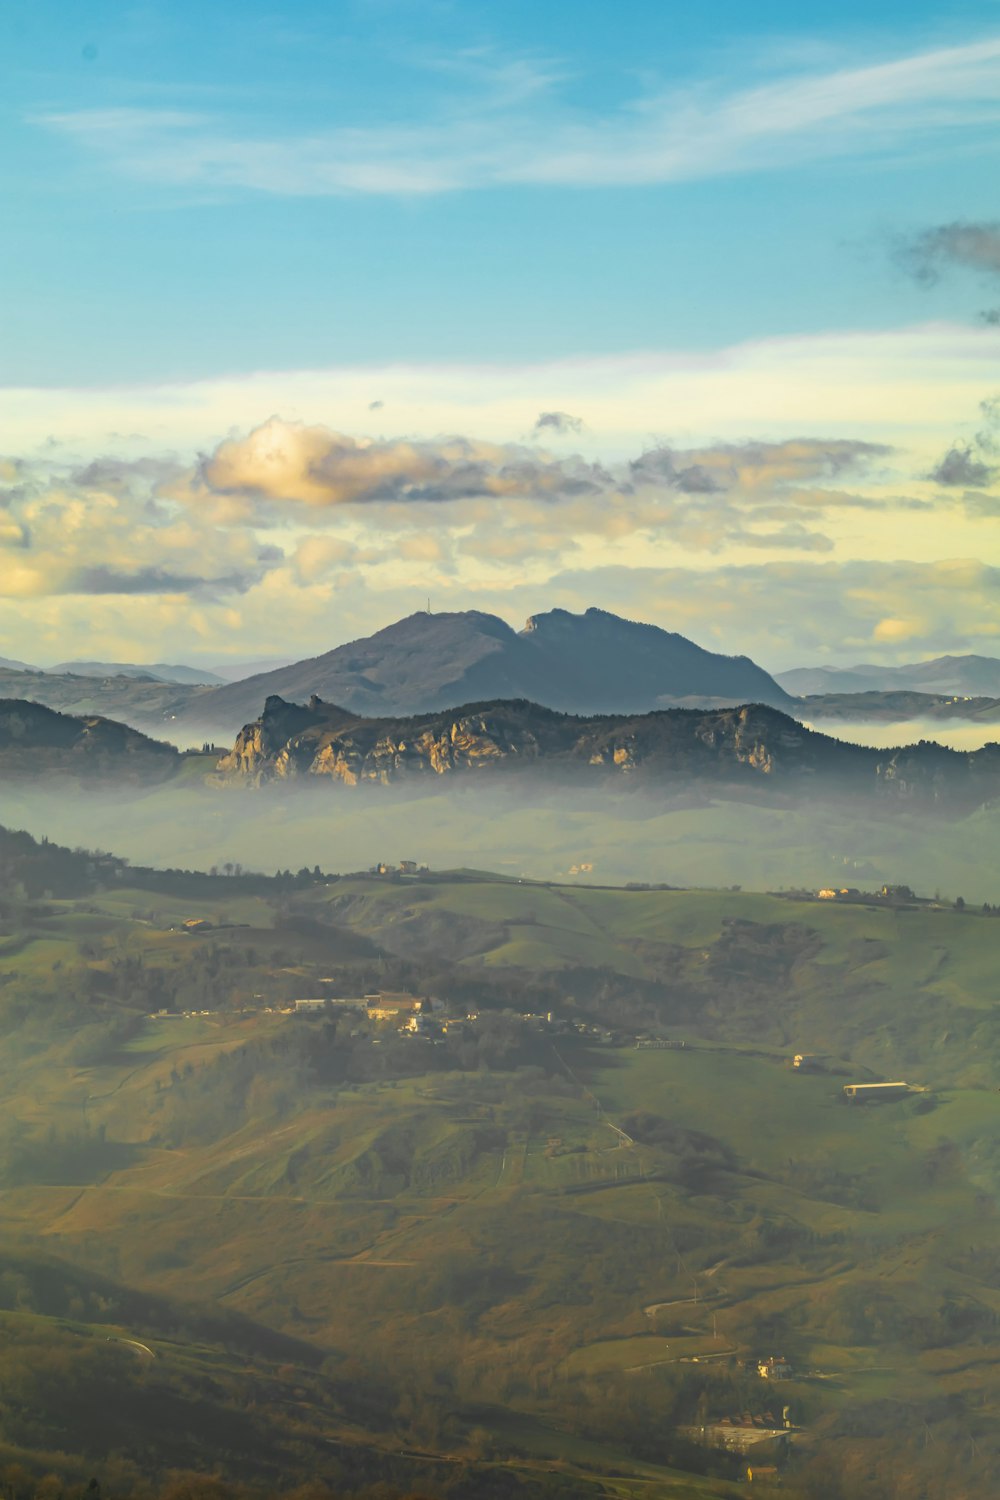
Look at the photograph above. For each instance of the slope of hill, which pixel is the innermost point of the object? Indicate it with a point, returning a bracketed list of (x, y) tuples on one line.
[(237, 670), (897, 707), (155, 672), (971, 676), (590, 663), (35, 742), (145, 704), (742, 746), (525, 1258)]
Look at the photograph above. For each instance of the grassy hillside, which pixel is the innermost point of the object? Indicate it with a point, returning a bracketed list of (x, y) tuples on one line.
[(523, 1252)]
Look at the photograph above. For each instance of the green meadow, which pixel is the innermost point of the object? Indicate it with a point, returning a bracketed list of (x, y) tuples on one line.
[(544, 1253)]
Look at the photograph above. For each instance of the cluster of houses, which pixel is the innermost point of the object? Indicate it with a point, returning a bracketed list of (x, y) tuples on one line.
[(382, 1005), (407, 867), (420, 1016), (850, 893)]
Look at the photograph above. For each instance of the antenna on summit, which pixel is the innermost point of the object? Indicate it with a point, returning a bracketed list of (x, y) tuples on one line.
[(428, 603)]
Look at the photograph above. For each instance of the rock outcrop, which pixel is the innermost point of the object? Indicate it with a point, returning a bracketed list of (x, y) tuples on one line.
[(753, 745)]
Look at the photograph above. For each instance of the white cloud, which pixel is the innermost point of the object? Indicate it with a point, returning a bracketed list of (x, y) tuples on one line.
[(333, 531), (910, 387), (520, 134)]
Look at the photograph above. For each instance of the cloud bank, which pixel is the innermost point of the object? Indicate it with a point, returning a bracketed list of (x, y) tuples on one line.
[(307, 533)]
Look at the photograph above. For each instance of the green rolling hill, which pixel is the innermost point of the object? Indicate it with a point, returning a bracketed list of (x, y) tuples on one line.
[(530, 1251)]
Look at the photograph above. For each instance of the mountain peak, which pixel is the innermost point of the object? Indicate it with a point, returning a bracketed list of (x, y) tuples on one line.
[(595, 662)]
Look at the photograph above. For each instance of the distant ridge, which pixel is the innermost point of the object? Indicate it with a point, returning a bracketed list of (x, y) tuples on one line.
[(965, 676), (36, 741), (592, 663), (154, 672)]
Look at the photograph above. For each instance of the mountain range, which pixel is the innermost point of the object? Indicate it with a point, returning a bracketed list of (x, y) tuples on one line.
[(753, 748), (154, 672), (964, 676), (595, 662), (590, 663), (148, 704), (751, 745)]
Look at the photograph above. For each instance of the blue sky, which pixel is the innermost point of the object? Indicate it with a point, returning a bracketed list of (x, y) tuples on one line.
[(761, 243), (135, 259)]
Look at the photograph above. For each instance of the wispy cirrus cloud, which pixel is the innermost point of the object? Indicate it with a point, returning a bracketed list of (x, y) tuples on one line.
[(523, 132)]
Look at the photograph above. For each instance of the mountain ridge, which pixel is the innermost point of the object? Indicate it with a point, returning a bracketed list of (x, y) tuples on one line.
[(596, 662), (165, 672), (971, 676), (751, 744), (36, 740)]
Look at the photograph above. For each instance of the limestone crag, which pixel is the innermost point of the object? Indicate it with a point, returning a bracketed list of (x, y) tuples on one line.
[(750, 745)]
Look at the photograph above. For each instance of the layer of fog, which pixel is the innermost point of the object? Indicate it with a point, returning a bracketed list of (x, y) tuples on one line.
[(592, 836), (957, 734)]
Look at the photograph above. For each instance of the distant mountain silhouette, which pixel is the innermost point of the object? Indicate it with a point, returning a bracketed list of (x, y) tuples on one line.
[(965, 676), (236, 671), (590, 663), (154, 672)]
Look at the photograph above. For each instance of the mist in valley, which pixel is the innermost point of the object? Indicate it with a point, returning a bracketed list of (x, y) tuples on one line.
[(956, 734), (591, 835)]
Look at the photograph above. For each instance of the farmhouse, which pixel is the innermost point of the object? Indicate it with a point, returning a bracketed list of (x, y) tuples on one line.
[(875, 1093), (423, 1025), (395, 1005), (741, 1434), (774, 1368), (310, 1005)]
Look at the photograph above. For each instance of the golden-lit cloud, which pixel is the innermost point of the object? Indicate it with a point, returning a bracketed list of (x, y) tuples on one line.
[(291, 463), (318, 531)]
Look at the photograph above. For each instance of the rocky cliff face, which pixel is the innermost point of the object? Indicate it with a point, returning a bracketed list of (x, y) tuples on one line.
[(750, 745)]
